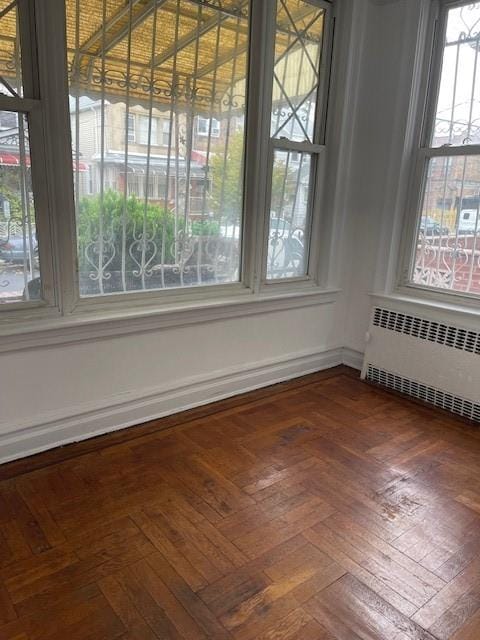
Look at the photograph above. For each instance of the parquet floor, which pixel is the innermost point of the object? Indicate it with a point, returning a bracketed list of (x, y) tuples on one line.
[(319, 509)]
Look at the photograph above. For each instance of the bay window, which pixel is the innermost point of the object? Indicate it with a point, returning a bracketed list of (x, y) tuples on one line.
[(445, 253), (159, 130)]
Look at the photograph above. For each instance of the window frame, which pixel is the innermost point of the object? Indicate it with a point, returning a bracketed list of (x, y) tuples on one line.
[(213, 132), (53, 178), (165, 130), (425, 116), (34, 107), (317, 150), (142, 136), (131, 131)]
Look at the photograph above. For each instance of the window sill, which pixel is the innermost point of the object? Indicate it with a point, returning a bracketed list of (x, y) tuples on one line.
[(448, 311), (118, 322)]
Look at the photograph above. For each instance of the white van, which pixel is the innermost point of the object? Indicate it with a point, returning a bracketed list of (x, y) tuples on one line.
[(467, 221)]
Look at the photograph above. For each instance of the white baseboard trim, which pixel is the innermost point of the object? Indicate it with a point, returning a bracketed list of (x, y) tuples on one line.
[(352, 358), (89, 420)]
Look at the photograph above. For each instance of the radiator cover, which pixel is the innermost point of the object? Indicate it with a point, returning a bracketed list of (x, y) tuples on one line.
[(429, 360)]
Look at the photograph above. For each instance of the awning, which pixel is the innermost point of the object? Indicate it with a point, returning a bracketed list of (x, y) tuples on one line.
[(197, 55), (13, 160)]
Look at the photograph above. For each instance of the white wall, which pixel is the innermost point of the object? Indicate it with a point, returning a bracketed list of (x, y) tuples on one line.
[(378, 186)]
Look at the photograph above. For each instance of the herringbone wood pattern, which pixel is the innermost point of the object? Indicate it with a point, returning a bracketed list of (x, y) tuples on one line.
[(318, 509)]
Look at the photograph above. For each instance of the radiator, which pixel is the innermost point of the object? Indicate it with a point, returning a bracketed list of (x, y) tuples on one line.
[(432, 361)]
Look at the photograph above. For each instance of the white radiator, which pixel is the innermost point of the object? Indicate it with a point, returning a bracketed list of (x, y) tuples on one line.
[(432, 361)]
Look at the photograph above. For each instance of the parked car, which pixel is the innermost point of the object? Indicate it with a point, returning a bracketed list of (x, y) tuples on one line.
[(430, 227), (467, 221), (14, 250)]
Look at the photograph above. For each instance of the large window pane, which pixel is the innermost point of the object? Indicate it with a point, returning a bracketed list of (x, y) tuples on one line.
[(457, 119), (19, 267), (287, 247), (448, 241), (157, 99)]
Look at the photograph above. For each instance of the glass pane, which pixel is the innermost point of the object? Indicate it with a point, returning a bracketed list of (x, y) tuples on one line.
[(19, 268), (157, 99), (298, 49), (10, 68), (448, 242), (287, 247), (458, 110)]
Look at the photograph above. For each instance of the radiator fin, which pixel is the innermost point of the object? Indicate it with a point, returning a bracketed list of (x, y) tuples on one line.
[(455, 404), (448, 335)]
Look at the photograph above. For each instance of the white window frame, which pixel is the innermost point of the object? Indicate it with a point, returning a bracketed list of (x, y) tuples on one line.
[(429, 87), (142, 135), (211, 129), (131, 133), (42, 115), (165, 132), (317, 150), (53, 180)]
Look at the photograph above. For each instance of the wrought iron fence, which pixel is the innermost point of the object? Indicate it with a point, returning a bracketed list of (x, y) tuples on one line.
[(451, 262)]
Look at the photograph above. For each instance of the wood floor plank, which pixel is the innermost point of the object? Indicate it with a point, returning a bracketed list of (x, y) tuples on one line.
[(324, 509), (125, 609)]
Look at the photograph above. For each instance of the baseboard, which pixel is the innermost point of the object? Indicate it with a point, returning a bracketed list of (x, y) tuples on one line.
[(352, 358), (89, 420)]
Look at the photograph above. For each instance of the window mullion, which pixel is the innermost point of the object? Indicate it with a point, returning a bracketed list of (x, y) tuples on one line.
[(316, 196), (257, 167), (29, 61), (57, 171)]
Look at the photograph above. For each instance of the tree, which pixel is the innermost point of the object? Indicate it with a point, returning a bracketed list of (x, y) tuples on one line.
[(226, 172), (10, 191)]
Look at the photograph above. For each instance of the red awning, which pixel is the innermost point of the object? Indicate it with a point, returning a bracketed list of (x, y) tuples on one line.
[(199, 156), (80, 166), (13, 160)]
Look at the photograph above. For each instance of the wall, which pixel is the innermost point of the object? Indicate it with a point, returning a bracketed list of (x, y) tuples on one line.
[(380, 156)]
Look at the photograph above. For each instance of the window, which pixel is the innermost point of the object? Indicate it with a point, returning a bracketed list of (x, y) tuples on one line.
[(166, 133), (446, 252), (296, 135), (137, 180), (131, 128), (24, 236), (147, 130), (208, 127)]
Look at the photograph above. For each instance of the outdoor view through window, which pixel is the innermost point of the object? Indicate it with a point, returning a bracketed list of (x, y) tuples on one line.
[(157, 101), (448, 240)]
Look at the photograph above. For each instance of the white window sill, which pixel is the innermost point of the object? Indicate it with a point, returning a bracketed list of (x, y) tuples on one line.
[(41, 332)]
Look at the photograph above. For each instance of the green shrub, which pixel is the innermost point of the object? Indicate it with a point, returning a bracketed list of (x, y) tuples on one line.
[(158, 223), (205, 228)]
